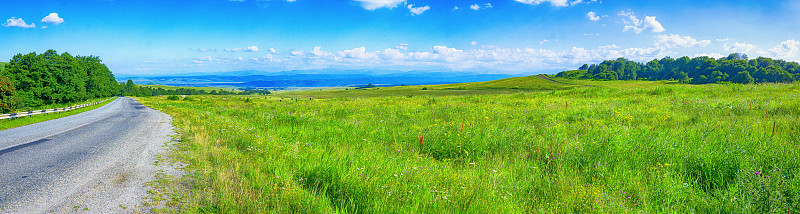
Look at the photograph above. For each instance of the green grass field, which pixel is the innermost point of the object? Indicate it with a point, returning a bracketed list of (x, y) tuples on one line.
[(508, 146)]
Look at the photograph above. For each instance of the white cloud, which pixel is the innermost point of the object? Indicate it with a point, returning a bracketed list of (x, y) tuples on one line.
[(376, 4), (651, 23), (787, 50), (473, 43), (677, 41), (475, 7), (739, 47), (204, 60), (392, 54), (357, 53), (318, 52), (417, 10), (478, 6), (247, 49), (543, 41), (272, 50), (490, 58), (18, 22), (592, 16), (455, 7), (53, 19), (204, 49), (556, 3), (712, 55), (636, 25)]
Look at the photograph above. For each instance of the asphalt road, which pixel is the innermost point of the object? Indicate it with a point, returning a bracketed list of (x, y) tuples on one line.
[(94, 162)]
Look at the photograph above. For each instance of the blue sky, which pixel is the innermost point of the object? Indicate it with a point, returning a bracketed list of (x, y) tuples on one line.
[(487, 36)]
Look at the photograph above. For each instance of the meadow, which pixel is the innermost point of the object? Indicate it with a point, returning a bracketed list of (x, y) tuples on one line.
[(496, 147)]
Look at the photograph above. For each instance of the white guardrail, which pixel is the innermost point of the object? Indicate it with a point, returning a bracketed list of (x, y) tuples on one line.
[(46, 111)]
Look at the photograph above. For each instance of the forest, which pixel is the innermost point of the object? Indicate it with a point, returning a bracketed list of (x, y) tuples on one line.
[(33, 80), (736, 68)]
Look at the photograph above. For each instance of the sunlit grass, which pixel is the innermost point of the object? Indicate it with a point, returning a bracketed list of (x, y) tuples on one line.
[(23, 121), (661, 148)]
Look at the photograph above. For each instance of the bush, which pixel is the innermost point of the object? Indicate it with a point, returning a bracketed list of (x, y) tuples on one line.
[(188, 99), (7, 95), (173, 97)]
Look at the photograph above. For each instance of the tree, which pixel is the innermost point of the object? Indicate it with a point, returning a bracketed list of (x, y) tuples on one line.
[(130, 88), (698, 70), (7, 95), (684, 78), (52, 78), (743, 77)]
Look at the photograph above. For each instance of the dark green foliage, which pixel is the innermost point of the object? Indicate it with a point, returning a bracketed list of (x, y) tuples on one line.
[(699, 70), (173, 97), (7, 95), (129, 88), (743, 77), (367, 86), (256, 91), (50, 78)]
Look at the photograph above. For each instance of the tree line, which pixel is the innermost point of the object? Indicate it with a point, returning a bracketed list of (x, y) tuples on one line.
[(735, 68), (131, 89), (33, 80)]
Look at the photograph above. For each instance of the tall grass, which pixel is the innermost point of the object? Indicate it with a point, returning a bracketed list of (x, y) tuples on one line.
[(666, 148)]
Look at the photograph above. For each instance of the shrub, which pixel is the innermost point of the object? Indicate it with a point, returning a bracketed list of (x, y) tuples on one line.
[(7, 95), (173, 97)]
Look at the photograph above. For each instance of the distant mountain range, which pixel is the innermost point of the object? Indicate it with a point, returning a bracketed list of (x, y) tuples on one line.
[(313, 78)]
